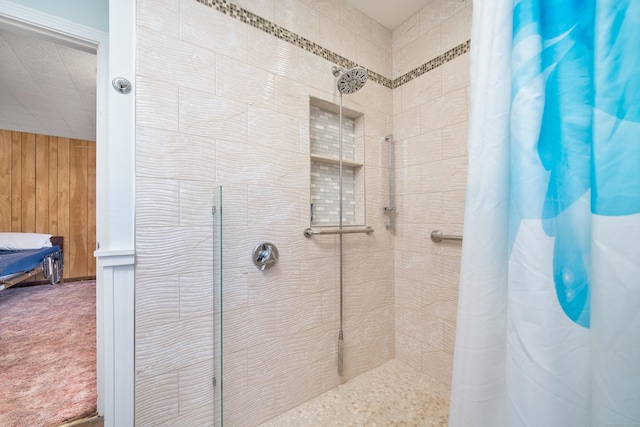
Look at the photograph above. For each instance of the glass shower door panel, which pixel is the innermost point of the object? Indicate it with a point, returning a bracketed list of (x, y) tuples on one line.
[(216, 211)]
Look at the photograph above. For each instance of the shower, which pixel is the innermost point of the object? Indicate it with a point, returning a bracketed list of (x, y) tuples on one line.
[(349, 81)]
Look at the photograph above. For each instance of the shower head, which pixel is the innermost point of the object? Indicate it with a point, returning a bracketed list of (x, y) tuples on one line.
[(351, 80)]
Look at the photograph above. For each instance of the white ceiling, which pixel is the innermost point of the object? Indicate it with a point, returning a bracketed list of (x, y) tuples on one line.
[(390, 13), (46, 88)]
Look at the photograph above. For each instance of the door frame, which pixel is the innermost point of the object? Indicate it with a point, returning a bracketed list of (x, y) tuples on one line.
[(115, 195)]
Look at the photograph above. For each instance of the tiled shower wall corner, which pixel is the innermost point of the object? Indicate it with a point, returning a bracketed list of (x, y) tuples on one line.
[(430, 131), (220, 102)]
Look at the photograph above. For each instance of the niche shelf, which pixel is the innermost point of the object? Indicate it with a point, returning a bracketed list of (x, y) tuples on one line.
[(334, 160), (324, 151)]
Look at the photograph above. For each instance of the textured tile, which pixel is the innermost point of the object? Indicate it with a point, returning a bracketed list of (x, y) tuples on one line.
[(435, 13), (408, 293), (338, 38), (270, 129), (241, 82), (211, 116), (451, 271), (455, 74), (292, 170), (453, 206), (157, 300), (413, 266), (407, 32), (431, 331), (263, 8), (457, 28), (196, 200), (196, 394), (292, 98), (241, 164), (249, 326), (197, 294), (156, 104), (447, 175), (190, 249), (273, 54), (273, 358), (172, 155), (156, 202), (211, 30), (235, 371), (238, 243), (174, 61), (421, 50), (166, 348), (157, 398), (425, 148), (381, 36), (422, 90), (275, 206), (298, 386), (298, 314), (454, 140), (298, 18), (407, 123), (251, 406), (437, 363), (159, 15), (408, 350), (449, 336), (440, 302)]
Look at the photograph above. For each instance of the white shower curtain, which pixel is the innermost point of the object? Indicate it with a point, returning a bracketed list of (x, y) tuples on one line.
[(548, 330)]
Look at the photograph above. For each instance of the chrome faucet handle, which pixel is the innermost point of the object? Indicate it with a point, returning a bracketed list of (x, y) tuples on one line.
[(265, 255)]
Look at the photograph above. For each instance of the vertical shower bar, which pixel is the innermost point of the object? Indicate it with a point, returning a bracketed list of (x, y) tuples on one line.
[(391, 209), (340, 334)]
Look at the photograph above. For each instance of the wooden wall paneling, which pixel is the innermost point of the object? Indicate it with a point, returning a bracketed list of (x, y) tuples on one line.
[(16, 181), (63, 200), (50, 185), (78, 206), (5, 180), (91, 205), (53, 185), (42, 184), (28, 195)]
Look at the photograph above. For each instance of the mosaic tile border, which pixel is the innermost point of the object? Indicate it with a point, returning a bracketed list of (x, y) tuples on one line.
[(436, 62), (282, 33)]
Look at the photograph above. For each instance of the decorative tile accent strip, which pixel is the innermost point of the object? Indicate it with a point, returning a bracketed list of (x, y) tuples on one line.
[(282, 33), (449, 55)]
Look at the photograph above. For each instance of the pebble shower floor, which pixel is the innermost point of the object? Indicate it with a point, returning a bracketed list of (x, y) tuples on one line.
[(393, 394)]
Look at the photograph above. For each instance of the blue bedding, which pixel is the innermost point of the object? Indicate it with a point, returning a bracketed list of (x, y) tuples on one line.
[(12, 262)]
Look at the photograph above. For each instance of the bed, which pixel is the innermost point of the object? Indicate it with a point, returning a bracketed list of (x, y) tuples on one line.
[(25, 255)]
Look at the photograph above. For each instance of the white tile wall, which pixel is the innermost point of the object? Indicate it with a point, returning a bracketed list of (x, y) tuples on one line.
[(239, 117), (431, 177)]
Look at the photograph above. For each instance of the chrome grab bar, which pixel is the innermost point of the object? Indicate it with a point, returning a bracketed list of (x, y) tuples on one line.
[(437, 236), (308, 232)]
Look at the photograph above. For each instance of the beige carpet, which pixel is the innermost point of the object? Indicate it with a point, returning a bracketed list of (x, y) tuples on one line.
[(47, 354)]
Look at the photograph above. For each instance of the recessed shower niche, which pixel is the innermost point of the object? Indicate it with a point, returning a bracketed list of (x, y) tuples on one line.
[(324, 130)]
